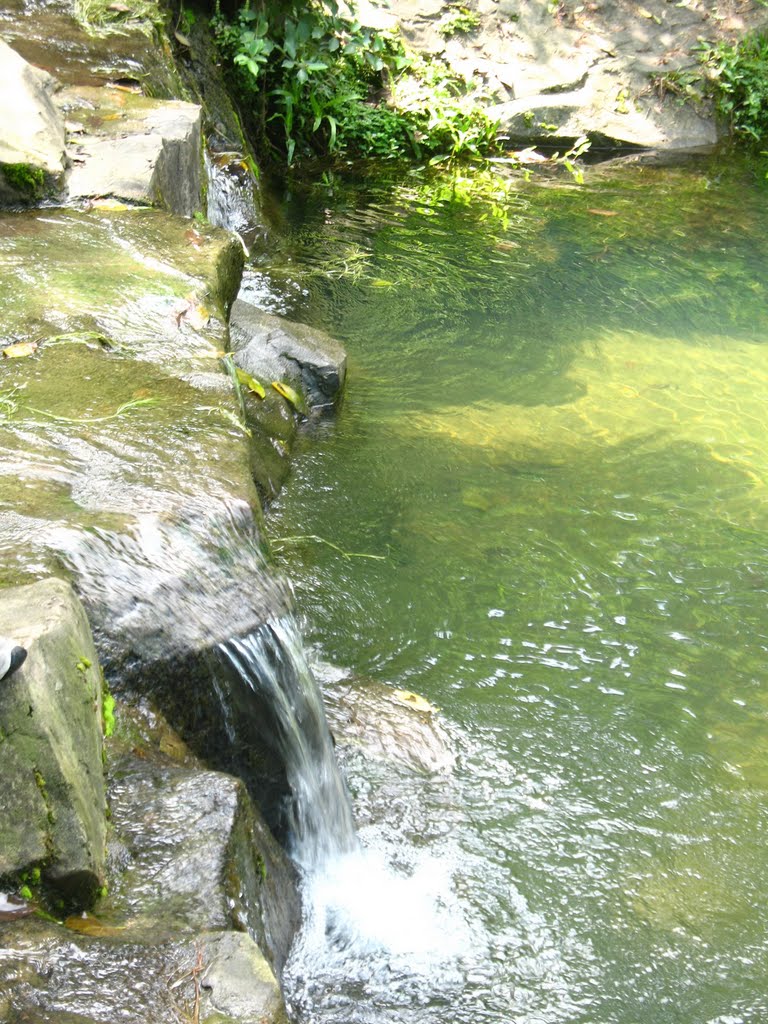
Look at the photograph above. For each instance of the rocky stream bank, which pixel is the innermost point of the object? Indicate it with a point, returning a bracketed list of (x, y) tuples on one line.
[(142, 880)]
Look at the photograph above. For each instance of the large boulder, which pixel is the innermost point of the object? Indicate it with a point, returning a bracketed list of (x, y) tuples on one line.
[(32, 151), (551, 72), (52, 801)]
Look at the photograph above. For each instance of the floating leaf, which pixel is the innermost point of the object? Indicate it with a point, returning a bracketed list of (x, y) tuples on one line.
[(413, 700), (290, 395), (250, 382), (20, 349), (87, 925)]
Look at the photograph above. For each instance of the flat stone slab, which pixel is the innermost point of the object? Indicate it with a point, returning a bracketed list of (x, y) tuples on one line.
[(131, 147), (52, 801)]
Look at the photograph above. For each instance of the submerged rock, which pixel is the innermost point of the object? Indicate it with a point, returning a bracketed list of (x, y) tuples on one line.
[(52, 802), (388, 725), (32, 152)]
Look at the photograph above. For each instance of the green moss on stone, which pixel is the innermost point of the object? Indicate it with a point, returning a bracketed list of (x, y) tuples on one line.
[(28, 181)]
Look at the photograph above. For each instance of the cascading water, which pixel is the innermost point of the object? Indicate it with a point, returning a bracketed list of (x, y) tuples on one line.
[(231, 200), (316, 819), (364, 923)]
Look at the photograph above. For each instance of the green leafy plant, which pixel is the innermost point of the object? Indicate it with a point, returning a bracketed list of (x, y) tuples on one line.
[(309, 64), (687, 84), (738, 75), (326, 84), (461, 21)]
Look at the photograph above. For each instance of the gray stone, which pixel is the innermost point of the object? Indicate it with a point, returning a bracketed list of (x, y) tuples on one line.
[(238, 981), (604, 112), (273, 348), (52, 804), (87, 973), (49, 35), (32, 152), (134, 148), (197, 856)]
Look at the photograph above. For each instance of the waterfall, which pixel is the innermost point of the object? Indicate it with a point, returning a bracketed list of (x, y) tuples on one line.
[(232, 201), (315, 818)]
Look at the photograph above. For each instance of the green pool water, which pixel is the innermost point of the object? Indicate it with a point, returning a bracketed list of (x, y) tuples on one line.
[(555, 435)]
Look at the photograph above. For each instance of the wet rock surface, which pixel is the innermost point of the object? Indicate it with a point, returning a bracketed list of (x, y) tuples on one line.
[(32, 155), (192, 853), (124, 430), (51, 974), (131, 147), (197, 887), (274, 348), (51, 37), (52, 803)]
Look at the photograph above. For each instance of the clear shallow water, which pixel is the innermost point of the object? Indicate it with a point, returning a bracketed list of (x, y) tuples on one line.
[(555, 433)]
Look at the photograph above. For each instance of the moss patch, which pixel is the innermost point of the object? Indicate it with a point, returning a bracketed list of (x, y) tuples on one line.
[(25, 179)]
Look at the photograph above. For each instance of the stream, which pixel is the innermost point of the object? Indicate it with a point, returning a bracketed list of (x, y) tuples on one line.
[(554, 436)]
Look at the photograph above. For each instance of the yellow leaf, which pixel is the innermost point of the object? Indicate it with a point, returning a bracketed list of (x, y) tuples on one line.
[(19, 349), (413, 700), (250, 382), (292, 396)]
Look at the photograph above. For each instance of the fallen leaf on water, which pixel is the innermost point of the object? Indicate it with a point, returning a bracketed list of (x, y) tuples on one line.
[(602, 213), (250, 382), (88, 925), (19, 349), (290, 395), (413, 700)]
